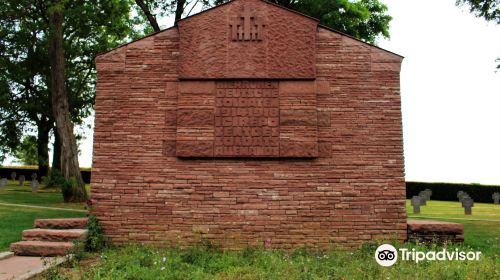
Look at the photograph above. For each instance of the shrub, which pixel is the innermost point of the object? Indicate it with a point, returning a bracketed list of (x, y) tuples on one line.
[(68, 189), (55, 180), (96, 241)]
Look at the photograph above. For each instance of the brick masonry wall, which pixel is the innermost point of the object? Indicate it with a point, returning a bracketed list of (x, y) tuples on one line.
[(208, 50), (353, 192)]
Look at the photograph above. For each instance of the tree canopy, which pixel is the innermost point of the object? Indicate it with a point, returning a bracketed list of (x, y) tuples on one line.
[(364, 19), (487, 9), (90, 27)]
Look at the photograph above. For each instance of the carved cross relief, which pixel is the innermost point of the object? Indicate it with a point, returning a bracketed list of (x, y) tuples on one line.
[(247, 26)]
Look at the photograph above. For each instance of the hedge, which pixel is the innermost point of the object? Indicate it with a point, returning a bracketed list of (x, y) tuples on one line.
[(28, 170), (448, 191)]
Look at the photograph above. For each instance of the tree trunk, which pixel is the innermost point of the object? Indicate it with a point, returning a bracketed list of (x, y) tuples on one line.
[(42, 144), (179, 9), (149, 15), (60, 107), (56, 154)]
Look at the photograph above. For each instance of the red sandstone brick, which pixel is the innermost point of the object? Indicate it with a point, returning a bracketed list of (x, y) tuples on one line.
[(358, 141)]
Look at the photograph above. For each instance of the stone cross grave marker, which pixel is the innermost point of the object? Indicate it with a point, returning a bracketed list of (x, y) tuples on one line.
[(423, 198), (467, 204), (496, 197), (21, 180), (13, 176), (461, 195), (428, 192), (416, 201), (34, 176), (3, 182), (34, 185)]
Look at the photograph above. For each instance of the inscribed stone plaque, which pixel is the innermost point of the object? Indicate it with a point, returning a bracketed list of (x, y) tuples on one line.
[(247, 119)]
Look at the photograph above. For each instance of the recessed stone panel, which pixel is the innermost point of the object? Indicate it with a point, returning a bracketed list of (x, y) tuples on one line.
[(247, 119)]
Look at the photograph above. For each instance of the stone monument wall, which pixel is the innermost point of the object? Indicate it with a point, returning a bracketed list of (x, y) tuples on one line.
[(245, 161)]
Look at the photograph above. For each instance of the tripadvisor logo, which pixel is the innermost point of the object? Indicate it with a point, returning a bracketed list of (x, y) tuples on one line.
[(387, 255)]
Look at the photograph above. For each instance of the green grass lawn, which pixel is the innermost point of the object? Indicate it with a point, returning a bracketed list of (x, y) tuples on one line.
[(209, 263), (482, 228), (206, 262), (482, 233), (15, 219), (44, 197)]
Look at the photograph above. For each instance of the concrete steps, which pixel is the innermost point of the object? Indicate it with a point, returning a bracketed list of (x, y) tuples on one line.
[(51, 237)]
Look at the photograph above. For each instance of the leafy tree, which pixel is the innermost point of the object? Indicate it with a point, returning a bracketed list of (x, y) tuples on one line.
[(27, 152), (363, 19), (152, 9), (487, 9), (89, 27)]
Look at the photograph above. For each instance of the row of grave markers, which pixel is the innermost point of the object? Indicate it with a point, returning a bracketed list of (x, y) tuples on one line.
[(33, 183), (467, 202), (464, 198), (420, 200)]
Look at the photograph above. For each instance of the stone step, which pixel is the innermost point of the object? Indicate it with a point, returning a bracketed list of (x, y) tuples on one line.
[(69, 223), (41, 248), (5, 255), (424, 231), (40, 234)]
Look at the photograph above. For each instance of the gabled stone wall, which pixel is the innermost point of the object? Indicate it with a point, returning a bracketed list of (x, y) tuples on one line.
[(159, 176)]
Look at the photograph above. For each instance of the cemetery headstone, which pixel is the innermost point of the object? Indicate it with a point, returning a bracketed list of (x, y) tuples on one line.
[(3, 182), (21, 180), (461, 195), (496, 197), (466, 196), (467, 204), (428, 192), (34, 185), (423, 198), (34, 176), (416, 201), (13, 176)]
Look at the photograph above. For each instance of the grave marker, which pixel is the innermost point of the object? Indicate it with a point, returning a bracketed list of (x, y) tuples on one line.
[(461, 195), (428, 192), (467, 204), (34, 185), (423, 198), (3, 182), (496, 198), (416, 201), (21, 180)]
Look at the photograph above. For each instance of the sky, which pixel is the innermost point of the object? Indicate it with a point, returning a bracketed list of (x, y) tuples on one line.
[(450, 92), (449, 89)]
